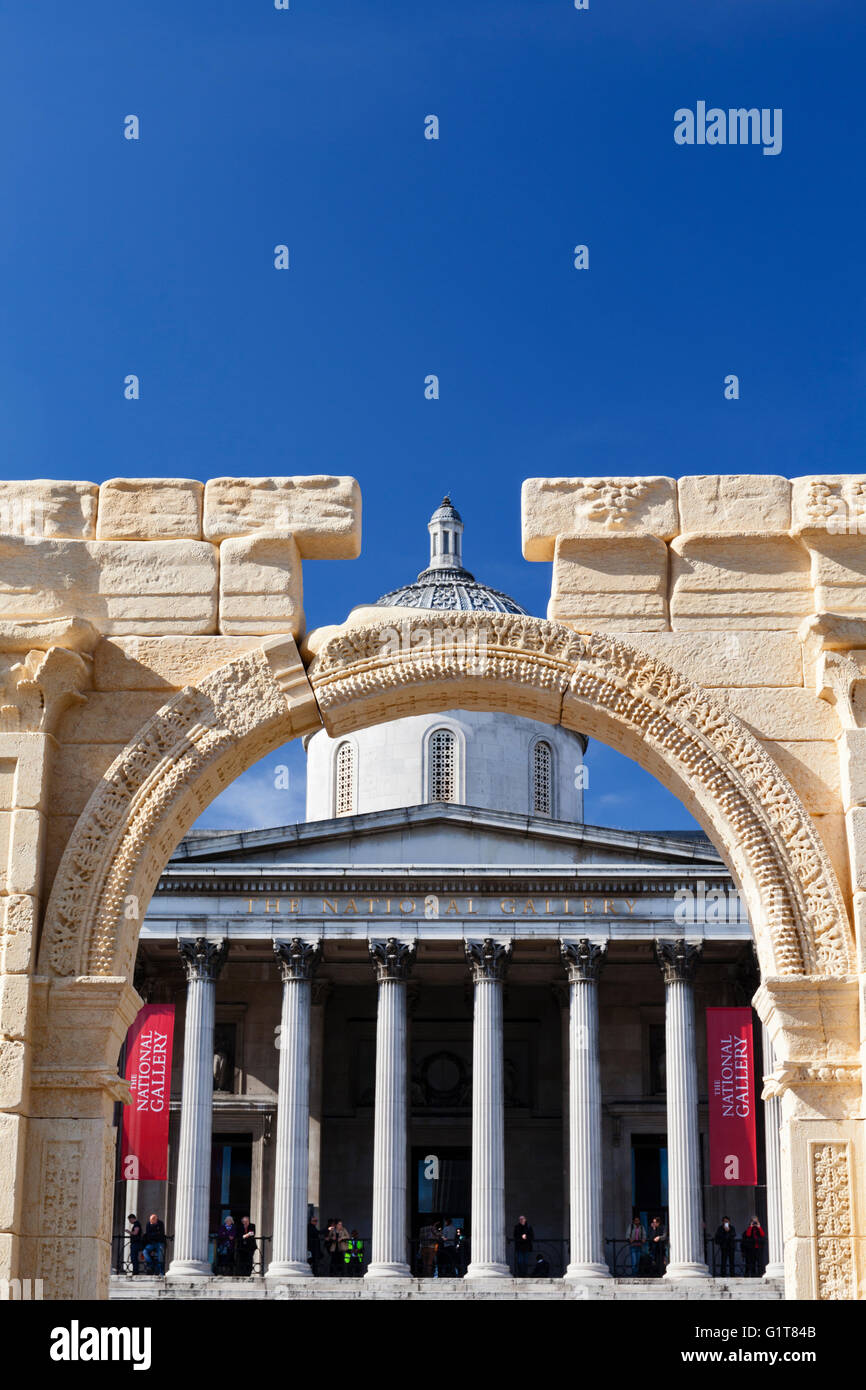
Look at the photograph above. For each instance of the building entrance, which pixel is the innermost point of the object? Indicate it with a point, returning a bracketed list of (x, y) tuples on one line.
[(441, 1181), (230, 1178)]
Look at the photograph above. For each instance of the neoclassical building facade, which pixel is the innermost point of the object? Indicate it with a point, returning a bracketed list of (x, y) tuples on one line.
[(712, 629)]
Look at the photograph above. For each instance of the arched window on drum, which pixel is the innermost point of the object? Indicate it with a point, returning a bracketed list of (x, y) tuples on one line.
[(344, 780), (441, 772), (542, 779)]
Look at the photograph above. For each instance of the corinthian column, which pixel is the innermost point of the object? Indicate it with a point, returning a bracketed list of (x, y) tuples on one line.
[(392, 960), (772, 1140), (297, 960), (488, 961), (583, 962), (678, 962), (202, 961)]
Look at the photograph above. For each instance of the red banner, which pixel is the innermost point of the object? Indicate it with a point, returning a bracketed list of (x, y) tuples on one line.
[(731, 1090), (148, 1071)]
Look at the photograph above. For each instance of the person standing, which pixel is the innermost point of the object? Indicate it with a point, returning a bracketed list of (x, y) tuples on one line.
[(314, 1244), (354, 1256), (657, 1241), (523, 1237), (154, 1245), (135, 1241), (448, 1250), (246, 1247), (753, 1243), (725, 1238), (227, 1236), (636, 1237)]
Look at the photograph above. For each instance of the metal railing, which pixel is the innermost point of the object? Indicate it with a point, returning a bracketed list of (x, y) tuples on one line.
[(552, 1254), (620, 1260), (155, 1261)]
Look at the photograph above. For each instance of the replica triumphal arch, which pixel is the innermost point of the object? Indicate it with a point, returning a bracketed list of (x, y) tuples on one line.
[(713, 629)]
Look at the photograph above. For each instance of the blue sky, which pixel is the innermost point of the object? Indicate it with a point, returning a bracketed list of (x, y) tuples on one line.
[(411, 257)]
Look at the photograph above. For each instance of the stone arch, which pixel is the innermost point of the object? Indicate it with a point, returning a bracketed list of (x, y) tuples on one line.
[(207, 735)]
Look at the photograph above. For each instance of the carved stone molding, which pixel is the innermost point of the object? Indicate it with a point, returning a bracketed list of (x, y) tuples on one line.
[(831, 1191), (297, 959), (391, 959), (548, 672), (35, 692), (678, 960), (488, 959), (203, 959), (583, 959), (194, 746)]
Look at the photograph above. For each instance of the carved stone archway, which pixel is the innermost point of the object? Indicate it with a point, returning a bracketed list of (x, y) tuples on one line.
[(207, 734)]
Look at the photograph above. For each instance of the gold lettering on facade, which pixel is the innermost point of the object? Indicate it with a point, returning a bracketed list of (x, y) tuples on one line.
[(452, 906), (351, 906), (587, 905), (630, 903), (471, 911), (268, 902), (529, 907), (329, 905), (504, 908), (608, 906), (411, 908)]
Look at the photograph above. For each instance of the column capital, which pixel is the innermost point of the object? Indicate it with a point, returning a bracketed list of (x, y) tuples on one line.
[(488, 959), (678, 960), (583, 959), (391, 959), (203, 959), (297, 959)]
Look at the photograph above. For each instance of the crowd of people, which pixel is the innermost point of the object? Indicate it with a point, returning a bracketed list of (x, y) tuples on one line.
[(648, 1247), (338, 1253), (235, 1246)]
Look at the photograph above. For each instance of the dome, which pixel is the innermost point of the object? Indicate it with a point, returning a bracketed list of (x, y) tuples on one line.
[(445, 584)]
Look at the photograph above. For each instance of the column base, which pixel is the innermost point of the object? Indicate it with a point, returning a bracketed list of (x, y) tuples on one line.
[(588, 1271), (776, 1271), (687, 1271), (482, 1270), (288, 1269), (385, 1269), (189, 1269)]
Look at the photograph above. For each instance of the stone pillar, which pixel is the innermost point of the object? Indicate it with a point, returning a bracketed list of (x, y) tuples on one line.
[(392, 960), (678, 962), (321, 989), (297, 960), (583, 961), (488, 961), (203, 961), (772, 1140)]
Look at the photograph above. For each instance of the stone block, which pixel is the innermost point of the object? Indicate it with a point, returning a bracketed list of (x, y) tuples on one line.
[(321, 512), (852, 767), (742, 582), (779, 713), (838, 573), (855, 825), (115, 716), (612, 584), (833, 503), (162, 663), (812, 768), (554, 507), (12, 1074), (77, 770), (23, 851), (144, 587), (14, 1006), (833, 832), (23, 771), (150, 509), (17, 933), (750, 659), (719, 504), (48, 510), (261, 586), (13, 1129)]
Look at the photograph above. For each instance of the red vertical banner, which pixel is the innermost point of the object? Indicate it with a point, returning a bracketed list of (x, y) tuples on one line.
[(144, 1150), (732, 1100)]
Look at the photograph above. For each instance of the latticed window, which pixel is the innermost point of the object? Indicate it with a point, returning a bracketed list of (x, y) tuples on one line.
[(441, 755), (542, 787), (345, 780)]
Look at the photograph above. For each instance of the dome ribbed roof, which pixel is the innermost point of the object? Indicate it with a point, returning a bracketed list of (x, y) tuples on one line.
[(445, 585)]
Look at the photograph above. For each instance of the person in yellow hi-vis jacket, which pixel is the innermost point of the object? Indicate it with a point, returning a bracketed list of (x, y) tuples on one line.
[(354, 1255)]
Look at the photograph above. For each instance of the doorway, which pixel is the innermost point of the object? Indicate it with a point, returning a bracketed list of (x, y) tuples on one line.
[(230, 1178), (441, 1183)]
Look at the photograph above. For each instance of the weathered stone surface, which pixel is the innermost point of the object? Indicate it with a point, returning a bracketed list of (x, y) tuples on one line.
[(852, 765), (23, 771), (728, 659), (855, 825), (610, 584), (17, 934), (162, 663), (832, 830), (77, 769), (142, 587), (739, 582), (261, 586), (813, 768), (14, 1001), (113, 716), (148, 509), (554, 507), (838, 572), (48, 510), (834, 503), (734, 504), (782, 714), (22, 846), (321, 512)]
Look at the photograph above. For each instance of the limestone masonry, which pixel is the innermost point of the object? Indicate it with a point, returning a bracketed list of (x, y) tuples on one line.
[(153, 647)]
